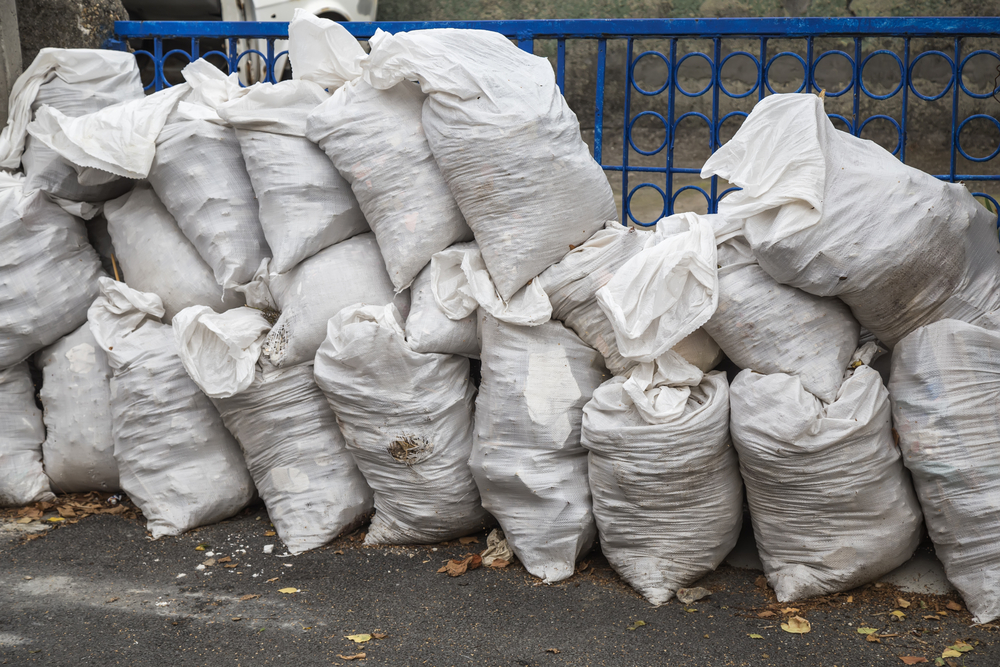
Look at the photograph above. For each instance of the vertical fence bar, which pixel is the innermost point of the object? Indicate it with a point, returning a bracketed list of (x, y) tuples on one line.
[(159, 81), (234, 56), (809, 64), (760, 70), (671, 95), (602, 48), (561, 65), (195, 49), (713, 200), (526, 43), (271, 61), (954, 107), (857, 86), (906, 97), (625, 129)]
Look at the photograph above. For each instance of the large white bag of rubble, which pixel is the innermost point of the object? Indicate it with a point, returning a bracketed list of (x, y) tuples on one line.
[(832, 506), (48, 271), (407, 419), (836, 215), (305, 204), (176, 459), (316, 290), (78, 452), (527, 458), (668, 497), (428, 327), (199, 174), (75, 82), (376, 140), (945, 387), (507, 144), (772, 328), (22, 479), (154, 255), (665, 292), (572, 283), (291, 442)]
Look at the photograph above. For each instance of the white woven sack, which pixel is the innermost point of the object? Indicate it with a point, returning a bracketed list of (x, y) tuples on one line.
[(22, 479), (773, 328), (507, 144), (305, 204), (176, 459), (527, 458), (668, 497), (154, 255), (48, 274), (78, 452), (316, 290), (944, 391), (428, 327), (831, 504), (407, 419), (836, 215)]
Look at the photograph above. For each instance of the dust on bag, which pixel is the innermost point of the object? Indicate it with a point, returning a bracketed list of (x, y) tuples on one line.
[(836, 215), (154, 255), (376, 140), (176, 460), (572, 285), (772, 328), (428, 326), (832, 506), (407, 419), (79, 451), (507, 144), (944, 389), (668, 497), (527, 459), (48, 274), (291, 442), (22, 479), (305, 204)]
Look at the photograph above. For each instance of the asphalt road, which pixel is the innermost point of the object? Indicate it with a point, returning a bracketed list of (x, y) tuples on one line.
[(101, 593)]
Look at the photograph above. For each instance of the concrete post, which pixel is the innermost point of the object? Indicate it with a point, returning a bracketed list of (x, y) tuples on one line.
[(10, 54)]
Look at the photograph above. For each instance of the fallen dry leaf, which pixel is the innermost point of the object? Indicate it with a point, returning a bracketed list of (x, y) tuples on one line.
[(755, 636), (552, 650), (761, 582), (229, 565), (932, 618), (850, 598), (954, 606), (356, 656), (26, 519), (690, 595), (961, 646), (270, 580), (902, 603), (873, 638), (339, 553), (582, 566), (499, 563), (898, 615), (790, 610), (236, 618), (225, 559), (941, 613), (110, 600), (636, 624), (249, 596), (379, 635), (201, 547), (360, 638), (288, 590), (766, 614), (796, 625), (56, 519), (270, 533), (456, 568), (867, 631), (913, 659), (951, 653), (468, 540), (209, 563)]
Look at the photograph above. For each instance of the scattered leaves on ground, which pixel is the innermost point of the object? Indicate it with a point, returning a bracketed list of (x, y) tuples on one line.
[(208, 563), (552, 650), (962, 647), (230, 565), (249, 596), (360, 638), (270, 533), (356, 656), (912, 659), (456, 567), (898, 615), (379, 635), (761, 582), (766, 614), (790, 610), (468, 540), (932, 618), (951, 653), (202, 547), (288, 590), (875, 639), (867, 631), (954, 606), (939, 662), (271, 580), (796, 625), (755, 636), (225, 559), (499, 563), (636, 624), (902, 603)]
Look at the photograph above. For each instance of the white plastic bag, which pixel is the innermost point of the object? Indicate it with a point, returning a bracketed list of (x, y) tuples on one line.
[(407, 419), (527, 458), (78, 451), (154, 255), (668, 497), (428, 327), (48, 271), (305, 204), (507, 143), (832, 506), (836, 215), (773, 328), (376, 140), (944, 391), (22, 479), (176, 459)]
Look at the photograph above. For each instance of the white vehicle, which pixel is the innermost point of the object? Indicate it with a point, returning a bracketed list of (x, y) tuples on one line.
[(335, 10), (258, 10)]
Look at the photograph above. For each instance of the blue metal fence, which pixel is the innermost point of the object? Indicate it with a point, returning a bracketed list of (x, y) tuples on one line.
[(759, 42)]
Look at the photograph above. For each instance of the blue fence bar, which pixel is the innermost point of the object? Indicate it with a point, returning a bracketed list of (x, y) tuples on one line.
[(672, 108)]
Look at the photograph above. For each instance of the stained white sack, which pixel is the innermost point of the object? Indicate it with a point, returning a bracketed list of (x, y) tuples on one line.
[(176, 459), (22, 479), (428, 327), (668, 497), (199, 174), (291, 442), (572, 284), (944, 389), (305, 204), (527, 459), (376, 140), (154, 255), (507, 143), (315, 290), (48, 274), (836, 215), (78, 452), (407, 419), (772, 328), (832, 506)]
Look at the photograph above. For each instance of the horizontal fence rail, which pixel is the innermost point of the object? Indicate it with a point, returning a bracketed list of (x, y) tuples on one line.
[(666, 93)]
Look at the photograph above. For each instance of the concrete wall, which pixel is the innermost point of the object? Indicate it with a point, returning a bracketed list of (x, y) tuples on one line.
[(72, 24), (10, 54)]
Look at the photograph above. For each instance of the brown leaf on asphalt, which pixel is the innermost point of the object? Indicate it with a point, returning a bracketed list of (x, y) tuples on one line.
[(790, 610), (110, 600), (499, 563), (913, 659), (468, 540), (873, 638), (850, 598), (552, 650), (270, 580), (761, 582), (208, 563), (249, 596), (356, 656), (902, 603), (951, 653), (339, 552), (236, 618), (796, 625), (270, 533), (898, 615), (379, 635), (932, 618), (456, 568), (766, 614), (582, 566), (229, 565), (225, 559), (954, 606)]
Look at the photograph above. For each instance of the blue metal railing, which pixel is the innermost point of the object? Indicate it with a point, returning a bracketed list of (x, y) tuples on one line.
[(913, 37)]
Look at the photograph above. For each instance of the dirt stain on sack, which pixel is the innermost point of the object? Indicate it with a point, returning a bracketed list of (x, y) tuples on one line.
[(410, 449)]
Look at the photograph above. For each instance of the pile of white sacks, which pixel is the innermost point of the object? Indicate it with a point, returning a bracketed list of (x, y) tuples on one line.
[(303, 271)]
